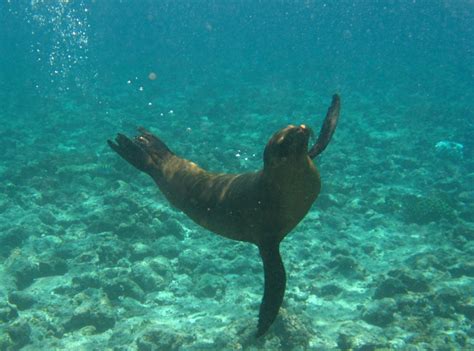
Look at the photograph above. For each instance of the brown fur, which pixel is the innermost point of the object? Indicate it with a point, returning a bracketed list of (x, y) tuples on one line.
[(252, 207), (260, 207)]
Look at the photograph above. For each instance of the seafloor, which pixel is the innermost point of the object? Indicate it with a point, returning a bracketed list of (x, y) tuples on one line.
[(94, 258)]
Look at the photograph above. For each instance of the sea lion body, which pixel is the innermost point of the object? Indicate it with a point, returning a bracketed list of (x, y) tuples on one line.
[(247, 207), (260, 207)]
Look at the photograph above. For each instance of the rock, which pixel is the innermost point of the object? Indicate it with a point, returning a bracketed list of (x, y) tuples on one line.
[(389, 288), (93, 311), (380, 312), (139, 230), (344, 342), (27, 268), (462, 339), (238, 264), (340, 251), (168, 246), (425, 261), (147, 278), (6, 342), (51, 266), (359, 337), (140, 251), (446, 301), (87, 280), (413, 281), (162, 266), (449, 296), (327, 200), (208, 285), (416, 306), (12, 238), (347, 266), (330, 290), (157, 339), (46, 244), (467, 310), (123, 287), (7, 312), (100, 225), (47, 217), (292, 331), (467, 232), (76, 249), (111, 252), (174, 228), (22, 300), (423, 210), (462, 269), (23, 269), (19, 332), (368, 249), (121, 339), (189, 260)]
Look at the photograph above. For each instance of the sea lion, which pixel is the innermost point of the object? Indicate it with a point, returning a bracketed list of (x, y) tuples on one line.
[(260, 207)]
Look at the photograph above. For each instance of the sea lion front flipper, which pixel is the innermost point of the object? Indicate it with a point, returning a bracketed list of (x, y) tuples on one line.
[(328, 128), (132, 152), (144, 152), (152, 144), (275, 283)]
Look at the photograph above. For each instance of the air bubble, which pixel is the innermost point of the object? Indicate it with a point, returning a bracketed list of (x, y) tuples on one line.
[(65, 30)]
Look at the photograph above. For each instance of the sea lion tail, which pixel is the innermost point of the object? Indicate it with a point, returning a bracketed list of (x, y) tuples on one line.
[(144, 152), (328, 128), (275, 283)]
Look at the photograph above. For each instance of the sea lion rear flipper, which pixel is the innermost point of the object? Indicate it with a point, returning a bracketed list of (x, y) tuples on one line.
[(275, 283), (328, 128)]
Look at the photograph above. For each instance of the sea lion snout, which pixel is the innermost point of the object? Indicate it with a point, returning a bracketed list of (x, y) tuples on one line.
[(291, 134), (297, 131), (300, 137), (304, 129)]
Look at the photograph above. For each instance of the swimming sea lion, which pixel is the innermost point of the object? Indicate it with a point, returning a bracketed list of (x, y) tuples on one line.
[(260, 207)]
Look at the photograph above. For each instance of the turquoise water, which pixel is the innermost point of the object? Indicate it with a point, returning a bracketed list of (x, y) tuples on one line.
[(93, 257)]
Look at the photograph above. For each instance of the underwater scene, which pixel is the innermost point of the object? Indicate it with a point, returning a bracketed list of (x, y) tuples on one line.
[(168, 180)]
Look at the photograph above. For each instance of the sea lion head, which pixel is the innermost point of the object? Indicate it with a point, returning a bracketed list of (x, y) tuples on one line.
[(288, 145)]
